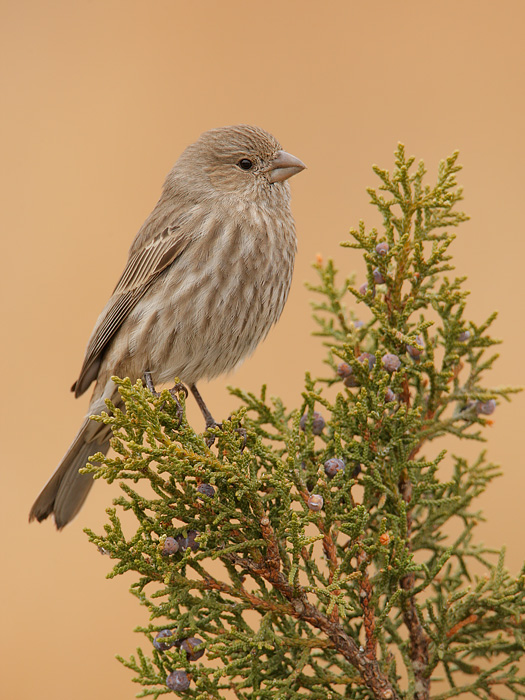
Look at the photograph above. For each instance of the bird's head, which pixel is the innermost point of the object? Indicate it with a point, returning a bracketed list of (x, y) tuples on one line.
[(240, 160)]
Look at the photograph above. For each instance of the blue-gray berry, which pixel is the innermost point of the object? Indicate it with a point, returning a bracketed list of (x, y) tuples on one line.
[(318, 422), (351, 381), (206, 489), (178, 681), (415, 353), (389, 395), (193, 647), (189, 541), (162, 646), (391, 362), (170, 546), (378, 277), (332, 466), (367, 357), (344, 370), (382, 248), (363, 289), (464, 336), (486, 407), (315, 502)]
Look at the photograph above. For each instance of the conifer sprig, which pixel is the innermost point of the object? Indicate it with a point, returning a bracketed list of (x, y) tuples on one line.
[(312, 558)]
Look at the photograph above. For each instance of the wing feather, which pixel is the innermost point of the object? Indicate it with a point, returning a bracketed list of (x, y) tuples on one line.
[(143, 267)]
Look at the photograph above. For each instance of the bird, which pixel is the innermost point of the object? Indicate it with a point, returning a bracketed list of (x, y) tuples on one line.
[(207, 276)]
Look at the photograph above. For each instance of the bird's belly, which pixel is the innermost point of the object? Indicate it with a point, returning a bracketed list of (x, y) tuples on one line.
[(205, 326)]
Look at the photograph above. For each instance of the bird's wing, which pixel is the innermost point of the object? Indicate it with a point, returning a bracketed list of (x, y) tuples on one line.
[(143, 267)]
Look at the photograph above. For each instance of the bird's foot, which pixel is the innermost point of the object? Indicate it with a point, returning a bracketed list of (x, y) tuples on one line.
[(211, 438), (177, 388), (174, 391), (210, 420), (242, 432), (148, 381)]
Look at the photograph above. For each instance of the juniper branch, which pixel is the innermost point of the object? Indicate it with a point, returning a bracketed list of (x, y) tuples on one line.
[(314, 561)]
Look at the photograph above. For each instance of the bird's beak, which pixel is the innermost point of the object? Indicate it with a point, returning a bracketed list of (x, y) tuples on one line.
[(283, 166)]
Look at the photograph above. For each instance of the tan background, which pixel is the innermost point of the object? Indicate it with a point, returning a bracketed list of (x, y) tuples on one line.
[(99, 98)]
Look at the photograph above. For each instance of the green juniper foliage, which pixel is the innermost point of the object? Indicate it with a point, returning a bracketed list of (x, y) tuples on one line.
[(305, 554)]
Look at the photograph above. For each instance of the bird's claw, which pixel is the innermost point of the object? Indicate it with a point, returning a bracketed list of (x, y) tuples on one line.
[(174, 391), (244, 434), (179, 386), (148, 381)]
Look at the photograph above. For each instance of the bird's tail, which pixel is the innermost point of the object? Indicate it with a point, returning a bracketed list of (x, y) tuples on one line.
[(66, 491)]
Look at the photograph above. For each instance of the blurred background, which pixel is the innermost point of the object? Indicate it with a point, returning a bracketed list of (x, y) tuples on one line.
[(99, 97)]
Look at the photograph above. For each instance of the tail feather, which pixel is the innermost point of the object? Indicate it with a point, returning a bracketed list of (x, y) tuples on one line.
[(66, 491)]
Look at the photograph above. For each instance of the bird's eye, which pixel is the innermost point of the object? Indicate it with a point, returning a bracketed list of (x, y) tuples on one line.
[(245, 164)]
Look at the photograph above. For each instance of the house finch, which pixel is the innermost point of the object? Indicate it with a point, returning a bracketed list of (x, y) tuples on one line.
[(207, 276)]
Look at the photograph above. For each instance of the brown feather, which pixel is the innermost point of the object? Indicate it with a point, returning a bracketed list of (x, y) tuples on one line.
[(143, 267)]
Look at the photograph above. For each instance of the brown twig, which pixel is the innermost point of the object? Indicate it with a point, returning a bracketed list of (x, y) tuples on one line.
[(459, 625), (365, 598), (419, 641), (299, 607), (331, 556)]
